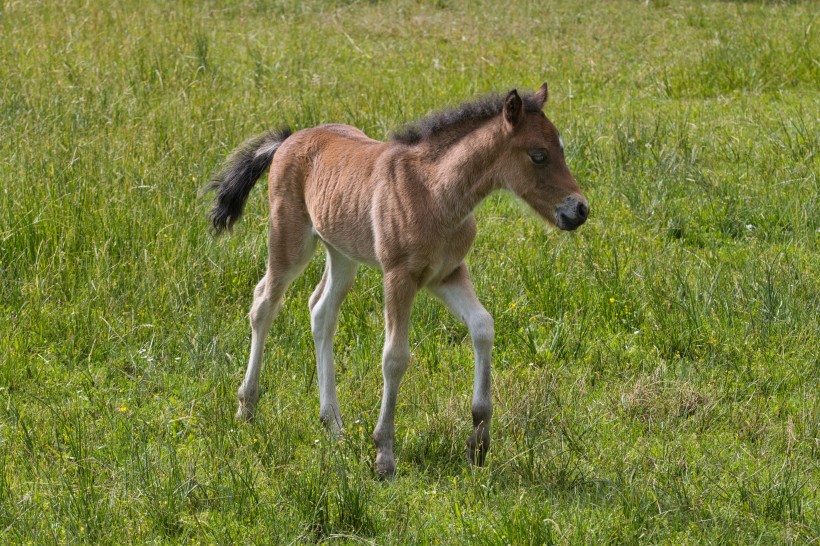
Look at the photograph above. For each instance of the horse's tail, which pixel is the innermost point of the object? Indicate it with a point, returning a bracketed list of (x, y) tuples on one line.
[(238, 175)]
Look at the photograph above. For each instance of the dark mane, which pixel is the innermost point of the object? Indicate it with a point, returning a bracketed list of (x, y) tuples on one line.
[(468, 114)]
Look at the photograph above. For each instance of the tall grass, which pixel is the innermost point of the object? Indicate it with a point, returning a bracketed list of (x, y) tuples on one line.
[(655, 373)]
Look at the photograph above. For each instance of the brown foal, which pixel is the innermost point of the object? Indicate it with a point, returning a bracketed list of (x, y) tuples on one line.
[(406, 207)]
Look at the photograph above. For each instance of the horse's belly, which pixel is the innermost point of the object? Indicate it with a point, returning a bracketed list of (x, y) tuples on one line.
[(346, 233)]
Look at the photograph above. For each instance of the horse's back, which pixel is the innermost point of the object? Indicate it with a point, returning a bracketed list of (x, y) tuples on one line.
[(345, 131)]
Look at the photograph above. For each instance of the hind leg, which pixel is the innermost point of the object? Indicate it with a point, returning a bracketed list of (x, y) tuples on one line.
[(264, 309), (290, 246), (325, 303)]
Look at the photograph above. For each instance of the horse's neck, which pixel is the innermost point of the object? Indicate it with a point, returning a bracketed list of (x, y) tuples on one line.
[(464, 173)]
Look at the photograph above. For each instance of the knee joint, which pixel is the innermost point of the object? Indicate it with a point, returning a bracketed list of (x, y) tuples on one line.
[(396, 359), (482, 329), (260, 310)]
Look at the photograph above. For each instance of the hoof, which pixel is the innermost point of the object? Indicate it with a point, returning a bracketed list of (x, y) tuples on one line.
[(385, 467), (477, 451), (333, 426), (244, 414), (335, 432)]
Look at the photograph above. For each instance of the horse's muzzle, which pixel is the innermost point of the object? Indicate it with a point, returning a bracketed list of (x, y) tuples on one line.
[(571, 213)]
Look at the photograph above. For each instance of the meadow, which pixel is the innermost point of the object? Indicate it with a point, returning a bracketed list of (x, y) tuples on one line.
[(655, 372)]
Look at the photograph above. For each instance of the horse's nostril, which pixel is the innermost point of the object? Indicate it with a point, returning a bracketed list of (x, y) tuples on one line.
[(582, 210), (563, 219)]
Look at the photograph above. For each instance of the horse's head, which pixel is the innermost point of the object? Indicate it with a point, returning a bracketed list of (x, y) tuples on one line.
[(534, 167)]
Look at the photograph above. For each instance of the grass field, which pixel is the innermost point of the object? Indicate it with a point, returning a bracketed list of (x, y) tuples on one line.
[(655, 373)]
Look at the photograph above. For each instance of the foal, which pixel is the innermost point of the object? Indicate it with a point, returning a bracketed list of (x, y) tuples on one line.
[(405, 206)]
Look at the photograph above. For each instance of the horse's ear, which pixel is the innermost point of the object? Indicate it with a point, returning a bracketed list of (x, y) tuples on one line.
[(513, 108), (541, 96)]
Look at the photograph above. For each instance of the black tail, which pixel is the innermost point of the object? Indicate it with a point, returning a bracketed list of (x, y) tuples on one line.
[(239, 174)]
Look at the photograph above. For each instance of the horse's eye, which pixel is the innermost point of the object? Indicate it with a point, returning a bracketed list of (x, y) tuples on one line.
[(539, 157)]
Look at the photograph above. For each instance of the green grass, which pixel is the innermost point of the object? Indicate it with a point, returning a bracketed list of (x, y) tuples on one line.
[(655, 373)]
